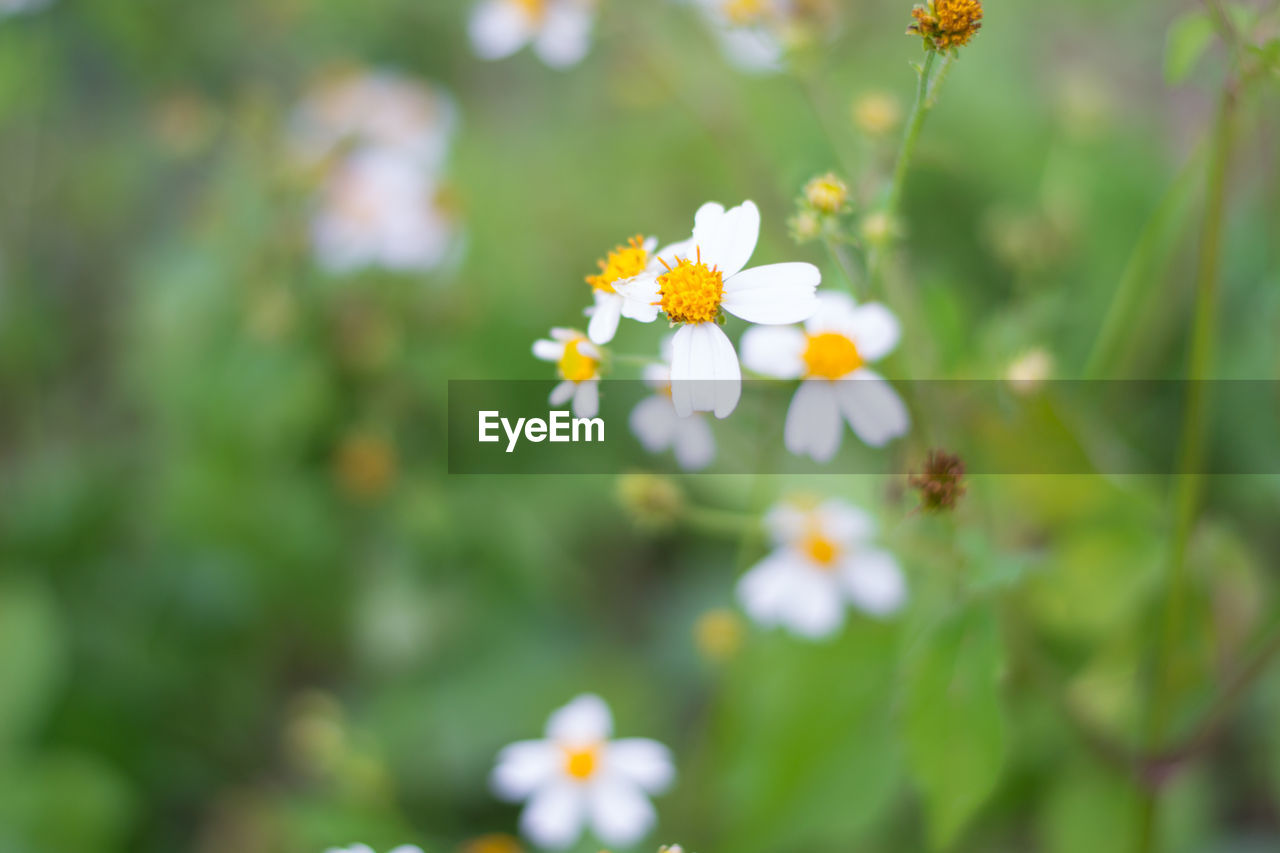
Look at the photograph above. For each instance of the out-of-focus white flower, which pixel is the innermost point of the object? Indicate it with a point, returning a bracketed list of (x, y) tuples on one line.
[(618, 269), (376, 109), (658, 428), (379, 208), (747, 32), (1029, 371), (364, 848), (831, 356), (382, 140), (559, 30), (577, 778), (704, 275), (823, 559), (14, 7), (578, 363)]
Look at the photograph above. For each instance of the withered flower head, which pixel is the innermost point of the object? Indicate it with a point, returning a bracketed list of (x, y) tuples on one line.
[(947, 24), (941, 483)]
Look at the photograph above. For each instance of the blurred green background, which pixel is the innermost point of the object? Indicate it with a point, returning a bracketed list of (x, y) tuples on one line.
[(244, 608)]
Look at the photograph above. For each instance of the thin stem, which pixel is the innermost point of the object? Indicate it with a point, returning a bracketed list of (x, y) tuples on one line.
[(924, 101), (1191, 452), (842, 260)]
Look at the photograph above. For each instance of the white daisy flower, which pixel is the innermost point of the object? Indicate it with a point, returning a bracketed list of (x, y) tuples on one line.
[(577, 777), (747, 31), (365, 848), (658, 428), (578, 362), (379, 208), (822, 561), (831, 355), (376, 108), (559, 30), (618, 269), (701, 277)]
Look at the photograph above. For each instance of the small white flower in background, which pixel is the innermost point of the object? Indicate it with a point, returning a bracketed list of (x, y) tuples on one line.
[(578, 363), (747, 31), (381, 140), (1029, 370), (704, 275), (559, 30), (823, 559), (619, 268), (578, 778), (658, 428), (831, 355), (375, 109), (364, 848), (378, 208)]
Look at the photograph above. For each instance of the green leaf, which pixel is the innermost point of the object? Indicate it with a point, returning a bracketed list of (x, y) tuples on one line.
[(1089, 809), (32, 656), (1189, 37), (953, 722)]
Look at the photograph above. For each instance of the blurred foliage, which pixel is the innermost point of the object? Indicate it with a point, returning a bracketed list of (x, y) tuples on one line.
[(243, 606)]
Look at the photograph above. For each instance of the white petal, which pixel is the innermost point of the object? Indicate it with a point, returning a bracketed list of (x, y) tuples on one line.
[(562, 392), (555, 815), (565, 36), (645, 762), (640, 298), (523, 767), (620, 812), (585, 720), (726, 241), (653, 422), (707, 218), (813, 606), (498, 28), (813, 424), (406, 848), (563, 333), (604, 317), (874, 582), (764, 587), (776, 294), (669, 256), (548, 350), (787, 522), (776, 351), (841, 521), (586, 399), (656, 376), (695, 446), (705, 376), (874, 410), (875, 331), (752, 49), (835, 313)]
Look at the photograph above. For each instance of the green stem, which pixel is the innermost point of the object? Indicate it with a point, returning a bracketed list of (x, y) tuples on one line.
[(924, 101), (1190, 483)]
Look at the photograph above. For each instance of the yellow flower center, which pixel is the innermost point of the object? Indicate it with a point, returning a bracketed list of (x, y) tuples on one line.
[(743, 12), (821, 550), (575, 365), (691, 291), (827, 193), (623, 262), (581, 762), (533, 8), (830, 355)]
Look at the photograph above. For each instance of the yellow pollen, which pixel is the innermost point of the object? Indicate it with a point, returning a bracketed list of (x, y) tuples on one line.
[(743, 12), (580, 763), (827, 193), (830, 355), (821, 550), (691, 291), (533, 8), (575, 365), (623, 262)]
